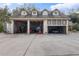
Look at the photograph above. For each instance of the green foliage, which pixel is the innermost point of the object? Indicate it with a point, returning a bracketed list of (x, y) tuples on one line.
[(4, 17), (75, 19), (76, 27), (74, 15), (69, 28), (1, 27)]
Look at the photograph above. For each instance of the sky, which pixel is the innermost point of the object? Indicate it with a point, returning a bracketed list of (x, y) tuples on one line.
[(64, 7), (37, 5), (40, 1)]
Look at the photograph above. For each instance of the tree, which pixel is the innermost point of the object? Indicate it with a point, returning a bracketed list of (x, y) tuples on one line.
[(4, 17), (74, 15), (28, 6)]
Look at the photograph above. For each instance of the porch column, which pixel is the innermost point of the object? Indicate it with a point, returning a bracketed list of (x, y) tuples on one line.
[(45, 31), (12, 26), (67, 27), (28, 26)]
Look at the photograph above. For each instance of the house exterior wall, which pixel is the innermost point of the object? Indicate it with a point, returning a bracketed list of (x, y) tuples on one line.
[(10, 27), (49, 18), (46, 22)]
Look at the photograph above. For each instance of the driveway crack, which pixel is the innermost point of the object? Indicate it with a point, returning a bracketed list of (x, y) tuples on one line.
[(29, 45)]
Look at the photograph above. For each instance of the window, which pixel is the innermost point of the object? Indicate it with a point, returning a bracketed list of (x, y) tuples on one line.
[(55, 13), (54, 22), (63, 22), (58, 22), (23, 13), (45, 13), (49, 22), (34, 13)]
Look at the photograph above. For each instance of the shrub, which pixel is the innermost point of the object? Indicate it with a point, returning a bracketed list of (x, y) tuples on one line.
[(1, 27), (76, 27), (70, 28)]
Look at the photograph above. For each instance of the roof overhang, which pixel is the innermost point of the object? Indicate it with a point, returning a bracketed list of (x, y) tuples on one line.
[(39, 18)]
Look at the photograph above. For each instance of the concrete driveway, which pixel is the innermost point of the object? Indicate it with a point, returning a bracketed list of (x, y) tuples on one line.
[(39, 45)]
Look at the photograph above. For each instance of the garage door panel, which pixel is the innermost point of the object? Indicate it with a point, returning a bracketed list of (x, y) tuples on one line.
[(57, 29)]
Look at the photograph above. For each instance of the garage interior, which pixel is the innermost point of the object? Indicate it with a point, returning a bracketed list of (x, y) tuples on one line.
[(57, 29), (36, 27), (20, 26)]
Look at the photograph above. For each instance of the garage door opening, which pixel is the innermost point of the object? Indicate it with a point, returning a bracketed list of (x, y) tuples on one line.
[(36, 26), (57, 29), (20, 26)]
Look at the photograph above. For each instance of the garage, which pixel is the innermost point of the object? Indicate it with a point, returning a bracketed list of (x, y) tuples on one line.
[(57, 29), (36, 26), (20, 26)]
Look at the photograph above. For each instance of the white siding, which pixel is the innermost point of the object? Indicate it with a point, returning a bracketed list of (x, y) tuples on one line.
[(10, 27)]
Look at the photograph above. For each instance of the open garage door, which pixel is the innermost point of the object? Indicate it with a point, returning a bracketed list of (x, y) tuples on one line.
[(20, 26), (36, 26), (57, 29)]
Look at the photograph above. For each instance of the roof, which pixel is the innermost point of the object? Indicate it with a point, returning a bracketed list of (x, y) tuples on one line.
[(18, 15)]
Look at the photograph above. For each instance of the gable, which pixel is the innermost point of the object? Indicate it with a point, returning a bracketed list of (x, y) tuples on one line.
[(55, 13), (23, 13), (45, 13), (34, 13)]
